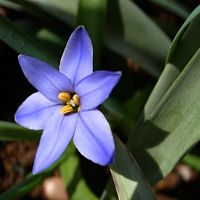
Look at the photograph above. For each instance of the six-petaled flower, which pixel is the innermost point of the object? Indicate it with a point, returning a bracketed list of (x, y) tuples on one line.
[(65, 105)]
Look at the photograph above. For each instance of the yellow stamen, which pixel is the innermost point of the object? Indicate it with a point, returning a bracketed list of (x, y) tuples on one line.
[(64, 96), (71, 102), (76, 99), (66, 109)]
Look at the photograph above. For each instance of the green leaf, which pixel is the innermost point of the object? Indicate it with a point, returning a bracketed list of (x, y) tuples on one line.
[(131, 33), (186, 41), (49, 37), (113, 107), (72, 176), (10, 5), (133, 107), (179, 53), (160, 143), (64, 10), (46, 18), (109, 192), (12, 132), (129, 180), (166, 79), (23, 43), (173, 6), (113, 111), (91, 14), (54, 43), (157, 143), (32, 181)]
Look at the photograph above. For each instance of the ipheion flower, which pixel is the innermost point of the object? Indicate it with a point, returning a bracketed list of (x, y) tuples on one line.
[(65, 106)]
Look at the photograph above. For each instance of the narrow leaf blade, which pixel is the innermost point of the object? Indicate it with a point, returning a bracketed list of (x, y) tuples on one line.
[(23, 43), (129, 181), (186, 41)]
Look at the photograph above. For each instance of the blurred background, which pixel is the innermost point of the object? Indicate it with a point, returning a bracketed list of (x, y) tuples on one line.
[(136, 43)]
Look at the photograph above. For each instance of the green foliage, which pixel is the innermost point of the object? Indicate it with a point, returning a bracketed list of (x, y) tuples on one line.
[(157, 136), (23, 43), (92, 15), (136, 36), (73, 179), (193, 161), (133, 33), (186, 41), (173, 121), (12, 132), (173, 6), (170, 116), (129, 180)]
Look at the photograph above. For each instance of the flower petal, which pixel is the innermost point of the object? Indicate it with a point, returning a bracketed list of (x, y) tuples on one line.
[(44, 78), (96, 88), (56, 136), (35, 111), (77, 58), (93, 137)]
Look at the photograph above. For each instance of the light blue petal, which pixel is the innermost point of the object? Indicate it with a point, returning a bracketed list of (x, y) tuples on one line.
[(96, 88), (44, 78), (35, 111), (77, 58), (93, 137), (56, 136)]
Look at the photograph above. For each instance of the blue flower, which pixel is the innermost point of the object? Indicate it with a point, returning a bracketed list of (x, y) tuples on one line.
[(65, 105)]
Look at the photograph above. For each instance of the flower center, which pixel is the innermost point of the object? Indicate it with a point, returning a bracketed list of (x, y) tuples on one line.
[(71, 102)]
